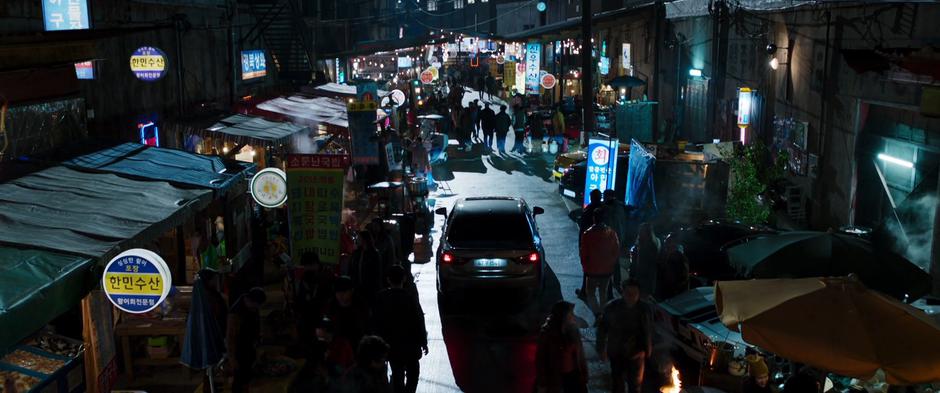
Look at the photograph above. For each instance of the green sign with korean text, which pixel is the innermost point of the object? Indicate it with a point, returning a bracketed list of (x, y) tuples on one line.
[(315, 204)]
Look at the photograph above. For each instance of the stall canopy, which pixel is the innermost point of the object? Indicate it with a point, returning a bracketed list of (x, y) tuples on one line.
[(340, 90), (174, 166), (246, 129), (91, 214), (35, 286), (309, 111)]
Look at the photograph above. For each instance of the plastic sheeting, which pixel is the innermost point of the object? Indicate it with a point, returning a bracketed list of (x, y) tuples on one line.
[(90, 214), (134, 159), (337, 89), (640, 191), (35, 287), (691, 8), (40, 127), (256, 128), (309, 111)]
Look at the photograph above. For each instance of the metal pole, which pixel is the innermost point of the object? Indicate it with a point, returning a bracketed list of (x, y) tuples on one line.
[(587, 70), (179, 65)]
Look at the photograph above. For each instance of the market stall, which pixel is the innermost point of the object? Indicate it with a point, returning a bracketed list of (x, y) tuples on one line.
[(252, 139)]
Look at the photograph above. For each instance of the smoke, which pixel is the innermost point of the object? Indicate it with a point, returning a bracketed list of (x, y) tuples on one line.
[(913, 237)]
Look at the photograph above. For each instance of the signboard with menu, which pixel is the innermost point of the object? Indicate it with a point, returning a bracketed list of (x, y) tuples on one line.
[(315, 193)]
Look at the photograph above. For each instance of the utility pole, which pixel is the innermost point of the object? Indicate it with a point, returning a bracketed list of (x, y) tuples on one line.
[(587, 71)]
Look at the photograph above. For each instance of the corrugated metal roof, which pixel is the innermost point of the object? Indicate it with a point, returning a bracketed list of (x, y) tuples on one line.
[(90, 214), (142, 161)]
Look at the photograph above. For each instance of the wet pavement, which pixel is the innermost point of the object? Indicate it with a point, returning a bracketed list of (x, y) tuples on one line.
[(485, 341)]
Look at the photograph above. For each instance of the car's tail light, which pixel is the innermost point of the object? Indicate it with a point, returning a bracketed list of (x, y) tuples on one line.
[(532, 258), (447, 257)]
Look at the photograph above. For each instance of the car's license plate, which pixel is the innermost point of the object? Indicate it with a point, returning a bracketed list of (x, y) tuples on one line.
[(569, 193), (489, 263)]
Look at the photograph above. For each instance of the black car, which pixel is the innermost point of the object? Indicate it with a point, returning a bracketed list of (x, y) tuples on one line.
[(572, 182), (706, 246), (490, 242)]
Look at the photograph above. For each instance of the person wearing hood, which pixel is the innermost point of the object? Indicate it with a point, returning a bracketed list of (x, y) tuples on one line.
[(560, 363)]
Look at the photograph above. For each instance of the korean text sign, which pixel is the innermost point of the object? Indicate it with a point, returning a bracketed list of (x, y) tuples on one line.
[(137, 281), (148, 63), (254, 64), (65, 15), (362, 130), (601, 166), (533, 59), (315, 204)]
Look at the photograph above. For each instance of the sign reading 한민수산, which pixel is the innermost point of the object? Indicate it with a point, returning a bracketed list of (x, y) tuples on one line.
[(533, 59), (601, 166), (136, 281), (148, 63), (269, 187), (254, 64), (65, 15), (315, 183)]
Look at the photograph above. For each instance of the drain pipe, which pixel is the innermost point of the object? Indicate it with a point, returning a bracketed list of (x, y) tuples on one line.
[(178, 18)]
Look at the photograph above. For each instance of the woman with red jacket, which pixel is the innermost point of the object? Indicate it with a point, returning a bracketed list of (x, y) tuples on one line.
[(560, 365)]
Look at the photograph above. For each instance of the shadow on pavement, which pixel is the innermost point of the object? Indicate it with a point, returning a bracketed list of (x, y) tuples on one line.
[(491, 336)]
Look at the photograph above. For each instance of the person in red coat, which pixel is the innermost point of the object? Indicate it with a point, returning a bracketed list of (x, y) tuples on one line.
[(560, 364), (600, 249)]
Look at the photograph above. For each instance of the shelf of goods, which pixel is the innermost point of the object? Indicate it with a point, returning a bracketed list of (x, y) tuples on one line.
[(47, 363)]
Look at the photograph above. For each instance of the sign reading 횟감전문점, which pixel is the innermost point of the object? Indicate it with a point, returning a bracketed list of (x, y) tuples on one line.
[(148, 63), (136, 281), (315, 189), (601, 166), (269, 187)]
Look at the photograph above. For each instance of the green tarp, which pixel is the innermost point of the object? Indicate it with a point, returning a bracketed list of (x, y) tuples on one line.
[(35, 286)]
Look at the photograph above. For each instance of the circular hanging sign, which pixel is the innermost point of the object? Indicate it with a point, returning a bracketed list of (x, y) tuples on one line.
[(137, 281), (398, 97), (427, 77), (269, 187), (148, 63), (500, 59), (548, 81)]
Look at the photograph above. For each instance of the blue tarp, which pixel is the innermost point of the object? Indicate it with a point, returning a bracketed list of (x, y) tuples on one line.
[(640, 191), (176, 166)]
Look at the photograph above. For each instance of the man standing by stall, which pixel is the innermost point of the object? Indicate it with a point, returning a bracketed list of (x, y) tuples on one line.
[(244, 332), (624, 336)]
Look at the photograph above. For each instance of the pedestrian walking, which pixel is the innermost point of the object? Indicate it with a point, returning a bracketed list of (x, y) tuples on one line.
[(399, 320), (672, 273), (558, 124), (643, 257), (365, 269), (616, 217), (585, 222), (243, 334), (600, 248), (475, 119), (488, 124), (560, 365), (349, 313), (518, 126), (503, 123), (370, 375), (624, 337), (758, 379)]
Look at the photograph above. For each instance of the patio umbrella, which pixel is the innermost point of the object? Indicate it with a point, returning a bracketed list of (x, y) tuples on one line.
[(802, 254), (626, 82), (204, 346), (834, 324)]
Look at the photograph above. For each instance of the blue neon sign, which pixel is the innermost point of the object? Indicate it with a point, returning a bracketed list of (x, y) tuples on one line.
[(149, 134), (601, 166), (253, 64), (60, 15)]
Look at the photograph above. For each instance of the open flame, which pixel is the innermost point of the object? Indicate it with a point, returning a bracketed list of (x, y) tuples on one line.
[(675, 385)]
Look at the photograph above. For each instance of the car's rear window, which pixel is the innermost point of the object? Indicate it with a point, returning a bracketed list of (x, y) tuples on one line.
[(490, 229)]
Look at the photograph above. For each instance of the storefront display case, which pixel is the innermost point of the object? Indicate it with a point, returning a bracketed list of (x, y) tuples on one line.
[(46, 363)]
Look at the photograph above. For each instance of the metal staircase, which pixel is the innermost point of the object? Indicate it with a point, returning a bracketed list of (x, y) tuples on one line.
[(279, 23)]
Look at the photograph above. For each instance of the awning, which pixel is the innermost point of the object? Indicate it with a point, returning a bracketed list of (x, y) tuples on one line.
[(175, 166), (309, 111), (340, 89), (255, 128), (91, 214), (35, 287)]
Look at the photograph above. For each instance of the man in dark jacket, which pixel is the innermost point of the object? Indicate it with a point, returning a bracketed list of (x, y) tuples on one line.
[(244, 332), (624, 335), (349, 313), (488, 124), (503, 123), (519, 122), (370, 375), (616, 219), (399, 320), (366, 267)]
